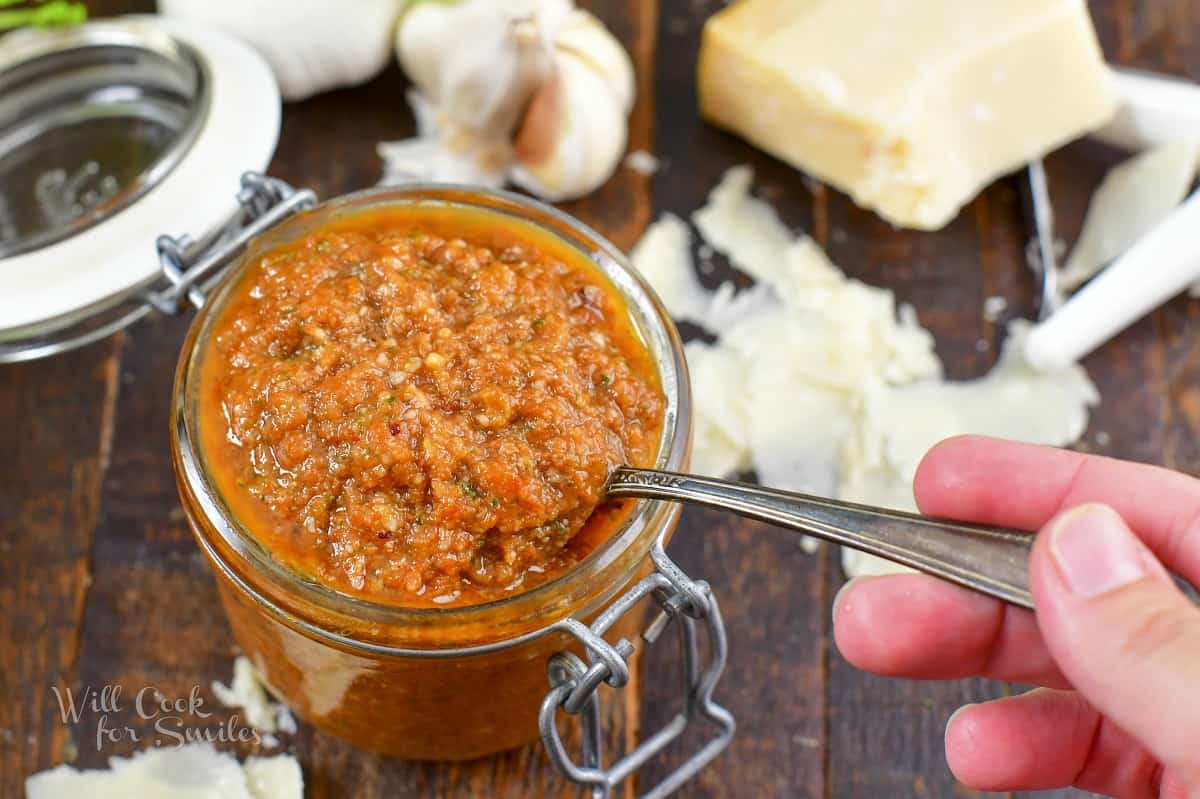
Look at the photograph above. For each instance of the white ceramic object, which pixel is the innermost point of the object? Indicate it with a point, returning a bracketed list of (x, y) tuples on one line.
[(1155, 269), (1152, 110)]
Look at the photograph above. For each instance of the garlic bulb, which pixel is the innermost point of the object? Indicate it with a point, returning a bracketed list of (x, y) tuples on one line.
[(540, 97), (311, 45), (574, 132), (478, 61), (586, 38)]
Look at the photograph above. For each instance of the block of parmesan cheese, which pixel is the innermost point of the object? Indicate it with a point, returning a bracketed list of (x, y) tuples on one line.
[(909, 107)]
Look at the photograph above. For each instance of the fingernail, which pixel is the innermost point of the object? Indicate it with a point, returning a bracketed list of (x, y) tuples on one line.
[(957, 713), (1095, 552), (966, 736), (840, 596), (949, 722)]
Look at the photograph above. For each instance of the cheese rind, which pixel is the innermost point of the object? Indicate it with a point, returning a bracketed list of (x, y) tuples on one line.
[(911, 108)]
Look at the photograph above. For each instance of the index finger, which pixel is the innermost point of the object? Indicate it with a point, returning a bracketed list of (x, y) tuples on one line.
[(1009, 484)]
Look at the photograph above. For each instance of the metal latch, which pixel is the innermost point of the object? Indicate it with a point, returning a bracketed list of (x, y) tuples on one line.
[(688, 605)]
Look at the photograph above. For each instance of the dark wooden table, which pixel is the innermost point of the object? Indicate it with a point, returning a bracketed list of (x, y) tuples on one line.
[(101, 584)]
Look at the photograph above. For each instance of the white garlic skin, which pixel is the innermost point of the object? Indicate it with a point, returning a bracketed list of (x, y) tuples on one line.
[(432, 157), (479, 61), (311, 45), (586, 37), (575, 130)]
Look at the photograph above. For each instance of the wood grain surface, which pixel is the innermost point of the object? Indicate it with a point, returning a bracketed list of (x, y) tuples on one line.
[(101, 584)]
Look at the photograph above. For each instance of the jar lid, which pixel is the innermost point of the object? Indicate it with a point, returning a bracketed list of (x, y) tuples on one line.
[(111, 133)]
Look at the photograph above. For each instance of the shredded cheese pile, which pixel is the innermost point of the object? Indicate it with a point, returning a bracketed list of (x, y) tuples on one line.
[(194, 771), (820, 383)]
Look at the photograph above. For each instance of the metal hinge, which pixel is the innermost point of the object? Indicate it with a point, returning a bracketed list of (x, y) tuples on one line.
[(186, 264), (687, 604)]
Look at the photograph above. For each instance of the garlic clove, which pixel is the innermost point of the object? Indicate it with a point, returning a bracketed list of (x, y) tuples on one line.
[(422, 25), (535, 140), (311, 45), (573, 134), (488, 90), (585, 37), (479, 61)]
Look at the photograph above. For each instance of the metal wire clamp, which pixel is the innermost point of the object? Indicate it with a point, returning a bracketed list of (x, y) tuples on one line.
[(690, 606), (191, 267)]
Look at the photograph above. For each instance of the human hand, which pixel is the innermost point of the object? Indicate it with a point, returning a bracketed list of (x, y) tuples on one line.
[(1114, 643)]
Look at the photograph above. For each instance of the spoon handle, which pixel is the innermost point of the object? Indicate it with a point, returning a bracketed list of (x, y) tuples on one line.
[(991, 560)]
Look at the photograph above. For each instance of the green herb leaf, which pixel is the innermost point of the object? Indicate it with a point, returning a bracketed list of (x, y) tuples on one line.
[(470, 490), (57, 12)]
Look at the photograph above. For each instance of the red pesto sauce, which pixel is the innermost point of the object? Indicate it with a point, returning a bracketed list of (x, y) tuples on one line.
[(420, 405)]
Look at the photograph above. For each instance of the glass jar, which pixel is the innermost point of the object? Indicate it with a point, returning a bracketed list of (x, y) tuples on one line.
[(429, 683)]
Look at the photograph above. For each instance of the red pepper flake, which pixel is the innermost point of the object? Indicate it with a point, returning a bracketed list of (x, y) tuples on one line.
[(383, 535), (394, 428)]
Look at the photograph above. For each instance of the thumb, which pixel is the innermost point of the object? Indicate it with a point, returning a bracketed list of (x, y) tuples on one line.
[(1124, 635)]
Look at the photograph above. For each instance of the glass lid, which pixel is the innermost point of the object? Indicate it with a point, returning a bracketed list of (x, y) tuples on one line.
[(91, 118)]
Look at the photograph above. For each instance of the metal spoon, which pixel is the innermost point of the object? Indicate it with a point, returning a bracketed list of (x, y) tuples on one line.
[(1041, 254), (991, 560)]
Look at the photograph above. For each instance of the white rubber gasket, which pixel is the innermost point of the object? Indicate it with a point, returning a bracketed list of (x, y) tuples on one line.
[(239, 133)]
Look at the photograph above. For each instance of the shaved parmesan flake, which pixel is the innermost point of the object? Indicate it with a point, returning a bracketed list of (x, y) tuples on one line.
[(994, 307), (246, 691), (195, 771), (1012, 401), (1134, 197), (663, 255), (720, 439), (642, 162), (901, 423), (819, 382), (730, 308), (796, 436), (744, 228), (277, 777)]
